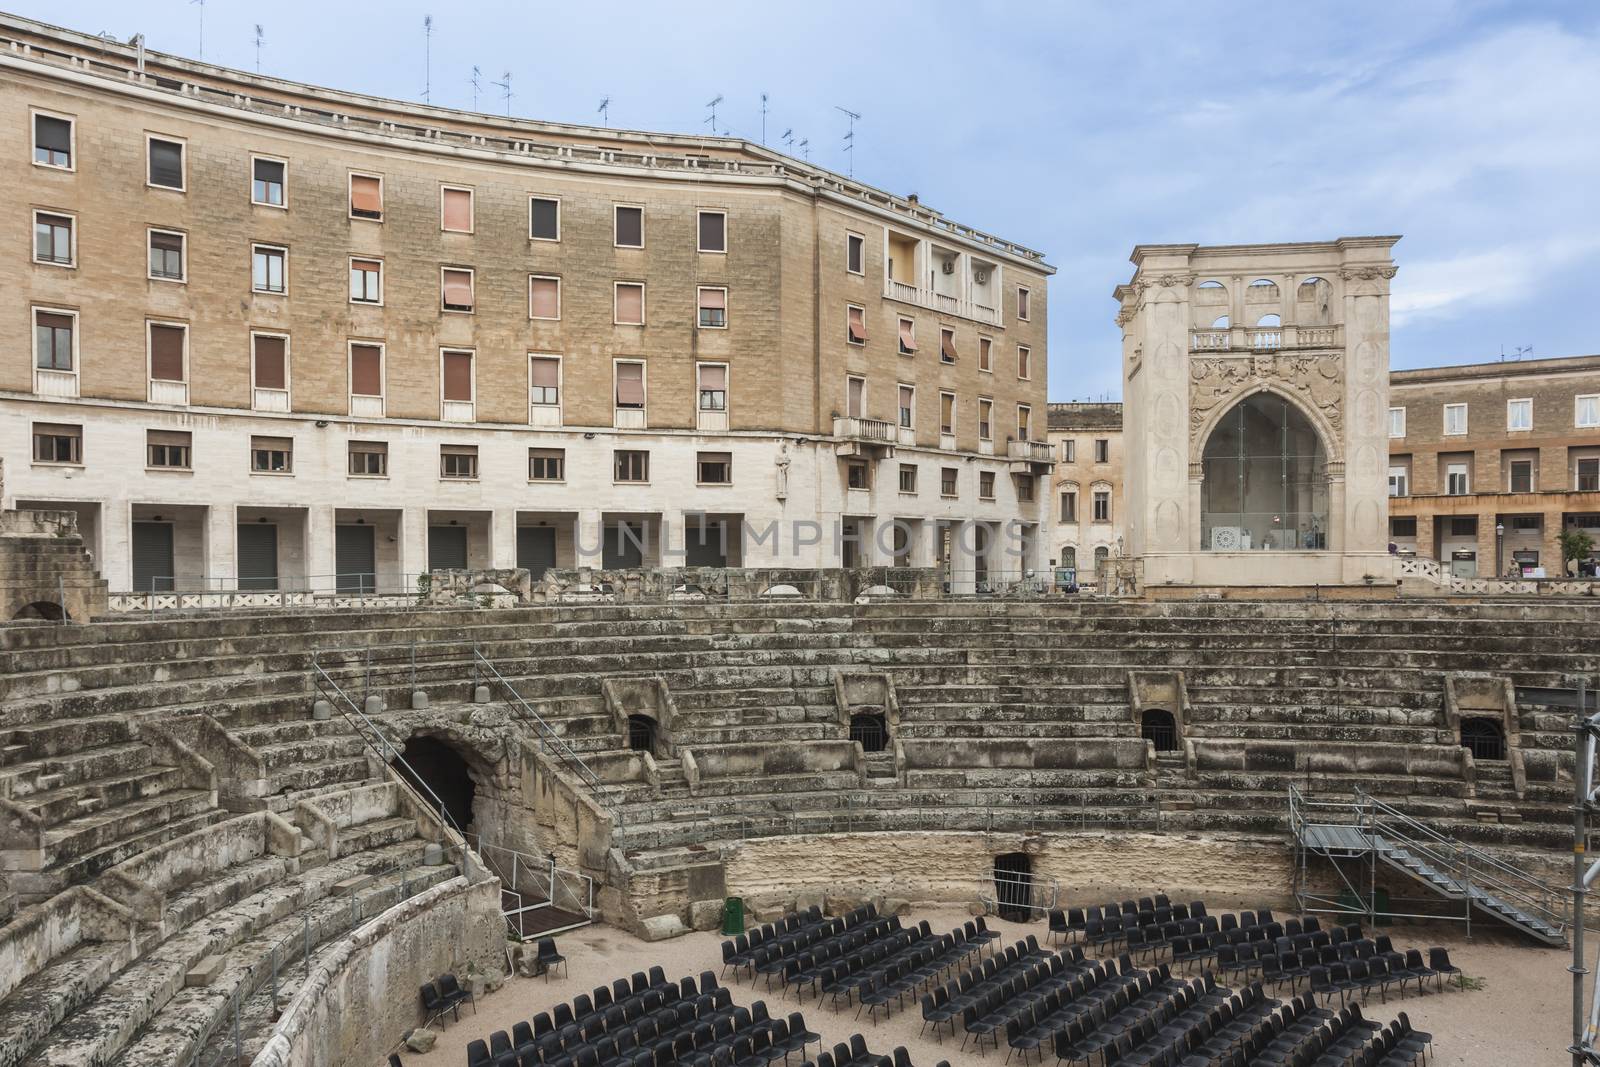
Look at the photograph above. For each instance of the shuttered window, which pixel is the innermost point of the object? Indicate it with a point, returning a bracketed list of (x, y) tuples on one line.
[(166, 255), (366, 281), (544, 297), (630, 385), (57, 443), (271, 362), (544, 218), (168, 449), (266, 182), (52, 141), (457, 210), (166, 353), (630, 304), (630, 227), (366, 370), (456, 289), (272, 455), (544, 380), (713, 231), (856, 320), (166, 163), (366, 196), (713, 386), (457, 375), (713, 308)]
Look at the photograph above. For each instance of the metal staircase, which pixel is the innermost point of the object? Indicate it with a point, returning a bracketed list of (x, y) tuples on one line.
[(1374, 833)]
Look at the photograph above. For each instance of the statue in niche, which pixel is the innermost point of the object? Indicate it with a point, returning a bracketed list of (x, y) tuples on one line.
[(781, 475)]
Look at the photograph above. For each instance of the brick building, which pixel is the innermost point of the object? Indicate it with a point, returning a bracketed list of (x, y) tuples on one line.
[(1087, 496), (267, 334), (1488, 461)]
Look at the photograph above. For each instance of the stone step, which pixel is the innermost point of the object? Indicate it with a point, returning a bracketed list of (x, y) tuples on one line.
[(318, 774), (110, 837), (114, 792), (29, 777), (55, 992)]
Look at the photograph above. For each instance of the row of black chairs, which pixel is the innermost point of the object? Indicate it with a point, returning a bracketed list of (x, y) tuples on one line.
[(1304, 1033), (771, 959), (444, 994), (904, 975), (1190, 1028), (797, 929), (854, 950), (1382, 966), (947, 1002), (1051, 981), (1115, 1001), (856, 1054)]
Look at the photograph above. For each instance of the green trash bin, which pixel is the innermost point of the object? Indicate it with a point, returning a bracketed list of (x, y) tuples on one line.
[(732, 916), (1380, 905)]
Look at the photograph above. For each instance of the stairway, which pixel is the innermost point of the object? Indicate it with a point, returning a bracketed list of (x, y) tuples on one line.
[(1448, 886)]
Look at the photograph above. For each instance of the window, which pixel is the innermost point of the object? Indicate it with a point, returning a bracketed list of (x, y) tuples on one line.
[(714, 468), (166, 163), (908, 337), (908, 403), (1521, 476), (855, 397), (1464, 526), (1399, 478), (366, 281), (544, 380), (630, 386), (271, 455), (1024, 362), (985, 360), (1025, 488), (985, 419), (269, 361), (269, 268), (713, 386), (713, 308), (986, 485), (52, 141), (1586, 410), (1397, 422), (856, 325), (166, 255), (53, 337), (1455, 419), (52, 239), (56, 443), (266, 181), (458, 461), (1525, 522), (369, 459), (167, 449), (1456, 482), (1069, 451), (169, 345), (455, 209), (713, 231), (631, 465), (544, 218), (947, 481), (1024, 422), (1102, 505), (366, 197), (456, 288), (547, 464), (458, 371), (1069, 505), (908, 477), (856, 475), (947, 346), (947, 414), (855, 248), (630, 227), (1588, 476), (1024, 303), (1403, 526), (366, 369), (1519, 414), (629, 304), (544, 297)]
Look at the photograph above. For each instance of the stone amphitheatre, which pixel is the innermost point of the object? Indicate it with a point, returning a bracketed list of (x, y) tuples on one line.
[(212, 854)]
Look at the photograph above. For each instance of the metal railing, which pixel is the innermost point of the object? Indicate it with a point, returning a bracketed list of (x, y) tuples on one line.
[(1021, 891), (535, 885)]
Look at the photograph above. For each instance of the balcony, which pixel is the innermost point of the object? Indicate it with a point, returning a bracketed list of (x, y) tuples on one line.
[(933, 301), (1030, 457), (866, 438), (1265, 338)]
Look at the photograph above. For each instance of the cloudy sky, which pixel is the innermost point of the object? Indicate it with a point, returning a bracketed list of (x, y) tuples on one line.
[(1470, 126)]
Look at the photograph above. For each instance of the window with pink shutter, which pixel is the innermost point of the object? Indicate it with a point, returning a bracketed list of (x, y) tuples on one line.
[(457, 295), (458, 210), (545, 380), (544, 297), (458, 375), (858, 326), (630, 385), (630, 304), (271, 372), (166, 353), (366, 196), (366, 370)]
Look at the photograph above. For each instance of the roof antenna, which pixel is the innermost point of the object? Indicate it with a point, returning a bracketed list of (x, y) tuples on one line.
[(713, 119), (805, 148), (787, 137), (850, 138), (427, 59), (1521, 350), (202, 4), (477, 85), (505, 91), (259, 35), (605, 111), (763, 118)]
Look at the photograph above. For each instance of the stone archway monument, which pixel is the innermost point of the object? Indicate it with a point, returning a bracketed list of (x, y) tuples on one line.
[(1256, 392)]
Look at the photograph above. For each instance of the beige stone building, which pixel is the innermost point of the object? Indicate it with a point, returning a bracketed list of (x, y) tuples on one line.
[(266, 334), (1256, 379), (1489, 461), (1087, 495)]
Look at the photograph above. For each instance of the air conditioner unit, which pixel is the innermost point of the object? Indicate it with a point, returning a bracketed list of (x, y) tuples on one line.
[(948, 266), (981, 277)]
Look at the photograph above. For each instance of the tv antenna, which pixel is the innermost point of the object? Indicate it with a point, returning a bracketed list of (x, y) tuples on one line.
[(202, 4), (805, 148), (850, 137), (427, 59), (259, 36), (763, 118), (713, 119), (605, 111), (787, 137), (1517, 353), (505, 91), (477, 86)]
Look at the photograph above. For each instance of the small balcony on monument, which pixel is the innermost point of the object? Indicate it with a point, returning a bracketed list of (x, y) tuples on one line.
[(1258, 319)]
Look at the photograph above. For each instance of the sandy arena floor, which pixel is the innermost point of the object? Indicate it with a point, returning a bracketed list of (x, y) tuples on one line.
[(1518, 1016)]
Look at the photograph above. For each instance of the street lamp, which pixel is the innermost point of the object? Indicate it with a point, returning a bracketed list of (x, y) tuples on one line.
[(1499, 548)]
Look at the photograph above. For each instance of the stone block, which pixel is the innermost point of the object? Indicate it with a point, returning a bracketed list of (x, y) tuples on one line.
[(480, 695), (896, 906), (421, 1040), (322, 711), (433, 854), (352, 885), (203, 973), (419, 701), (705, 915), (663, 927)]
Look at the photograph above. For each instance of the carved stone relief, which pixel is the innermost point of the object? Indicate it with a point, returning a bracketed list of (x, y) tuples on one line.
[(1316, 379)]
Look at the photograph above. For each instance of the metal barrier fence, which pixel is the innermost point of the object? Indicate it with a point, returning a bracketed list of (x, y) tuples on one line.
[(535, 885)]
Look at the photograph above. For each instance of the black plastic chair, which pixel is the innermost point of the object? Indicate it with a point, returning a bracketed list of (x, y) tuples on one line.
[(477, 1052), (549, 957), (450, 990), (1439, 962)]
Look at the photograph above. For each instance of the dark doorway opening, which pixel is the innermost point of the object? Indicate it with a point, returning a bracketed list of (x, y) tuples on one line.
[(43, 609), (1484, 738), (642, 733), (441, 776), (872, 730), (1157, 726), (1013, 886)]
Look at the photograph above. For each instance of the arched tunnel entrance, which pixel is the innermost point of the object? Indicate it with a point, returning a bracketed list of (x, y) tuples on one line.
[(437, 765), (1013, 886), (48, 610)]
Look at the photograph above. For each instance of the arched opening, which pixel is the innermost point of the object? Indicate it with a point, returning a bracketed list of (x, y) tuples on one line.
[(1222, 323), (1266, 479), (1013, 886), (871, 729), (1069, 556), (441, 775), (1157, 726), (642, 733), (48, 610), (1485, 738), (1270, 320)]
